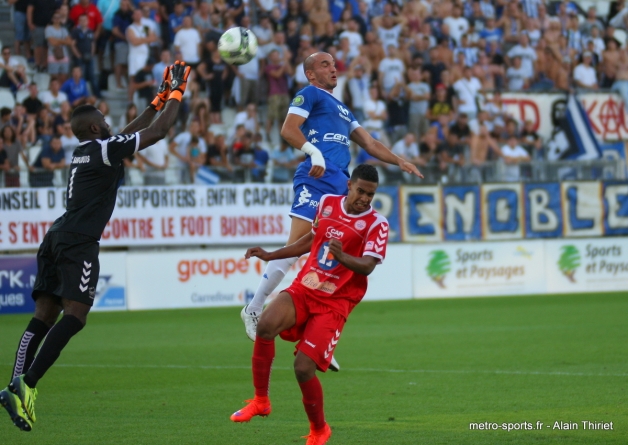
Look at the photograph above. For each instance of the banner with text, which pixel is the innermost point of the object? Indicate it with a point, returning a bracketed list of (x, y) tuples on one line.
[(17, 277), (210, 278)]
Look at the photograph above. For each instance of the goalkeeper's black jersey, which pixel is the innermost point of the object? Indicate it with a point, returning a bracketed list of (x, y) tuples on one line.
[(95, 174)]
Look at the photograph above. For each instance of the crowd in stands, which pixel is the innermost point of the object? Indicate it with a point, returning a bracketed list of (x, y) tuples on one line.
[(423, 76)]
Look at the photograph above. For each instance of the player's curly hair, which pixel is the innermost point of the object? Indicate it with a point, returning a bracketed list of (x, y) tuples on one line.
[(366, 172)]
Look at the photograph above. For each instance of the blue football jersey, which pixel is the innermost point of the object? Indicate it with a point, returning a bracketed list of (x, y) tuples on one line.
[(328, 124)]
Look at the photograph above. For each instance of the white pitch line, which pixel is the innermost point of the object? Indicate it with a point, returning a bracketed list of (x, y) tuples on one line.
[(392, 371)]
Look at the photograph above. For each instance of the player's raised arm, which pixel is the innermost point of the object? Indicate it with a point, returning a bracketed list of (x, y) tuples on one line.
[(375, 148), (144, 120), (291, 132), (158, 130)]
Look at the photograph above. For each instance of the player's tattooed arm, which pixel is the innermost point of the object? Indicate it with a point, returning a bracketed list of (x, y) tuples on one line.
[(300, 247), (378, 150), (362, 265)]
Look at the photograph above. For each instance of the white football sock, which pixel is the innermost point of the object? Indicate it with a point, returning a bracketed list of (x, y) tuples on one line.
[(274, 273)]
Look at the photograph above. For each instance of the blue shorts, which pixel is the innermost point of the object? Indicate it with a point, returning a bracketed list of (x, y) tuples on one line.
[(308, 190), (22, 33)]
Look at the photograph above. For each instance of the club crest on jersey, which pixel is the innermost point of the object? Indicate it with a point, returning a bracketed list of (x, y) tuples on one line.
[(360, 224), (327, 211), (298, 101)]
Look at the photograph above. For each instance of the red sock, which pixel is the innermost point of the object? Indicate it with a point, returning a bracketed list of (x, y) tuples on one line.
[(263, 356), (313, 402)]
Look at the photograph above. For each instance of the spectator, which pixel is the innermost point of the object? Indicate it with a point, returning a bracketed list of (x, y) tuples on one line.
[(285, 160), (20, 27), (374, 50), (53, 97), (62, 118), (491, 33), (510, 22), (188, 41), (175, 20), (201, 20), (440, 105), (155, 159), (138, 38), (13, 150), (24, 126), (69, 142), (483, 147), (277, 73), (5, 165), (84, 49), (319, 16), (459, 131), (517, 76), (76, 89), (236, 10), (598, 42), (217, 158), (165, 60), (108, 9), (470, 52), (434, 68), (468, 90), (153, 28), (390, 71), (428, 149), (419, 94), (526, 53), (44, 126), (5, 116), (407, 149), (121, 21), (58, 39), (574, 36), (214, 72), (260, 159), (179, 148), (85, 7), (129, 116), (591, 22), (397, 107), (32, 102), (531, 141), (263, 31), (196, 158), (38, 15), (496, 110), (513, 154), (450, 155), (532, 31), (486, 72), (584, 74), (12, 73), (51, 158), (358, 89), (376, 114), (457, 24), (249, 118), (610, 64), (354, 38), (143, 83)]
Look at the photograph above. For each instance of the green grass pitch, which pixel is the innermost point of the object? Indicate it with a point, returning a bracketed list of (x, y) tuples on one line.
[(413, 372)]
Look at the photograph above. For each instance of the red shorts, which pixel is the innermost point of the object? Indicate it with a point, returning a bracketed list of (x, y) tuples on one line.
[(317, 328)]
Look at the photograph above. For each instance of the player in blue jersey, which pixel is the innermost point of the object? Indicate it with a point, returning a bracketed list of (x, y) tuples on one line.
[(322, 127)]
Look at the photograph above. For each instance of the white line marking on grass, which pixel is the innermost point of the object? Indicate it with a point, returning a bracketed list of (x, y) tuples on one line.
[(392, 371)]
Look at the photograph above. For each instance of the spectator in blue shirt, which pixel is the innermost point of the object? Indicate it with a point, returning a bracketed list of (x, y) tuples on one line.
[(175, 20), (51, 158), (76, 89)]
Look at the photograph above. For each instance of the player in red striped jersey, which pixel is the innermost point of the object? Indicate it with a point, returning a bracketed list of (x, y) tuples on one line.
[(348, 239)]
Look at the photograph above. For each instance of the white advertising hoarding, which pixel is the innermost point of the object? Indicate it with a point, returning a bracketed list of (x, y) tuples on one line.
[(209, 278), (599, 264), (478, 269)]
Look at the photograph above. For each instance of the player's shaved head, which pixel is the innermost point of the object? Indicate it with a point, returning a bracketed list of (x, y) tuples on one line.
[(312, 59), (88, 123), (320, 70)]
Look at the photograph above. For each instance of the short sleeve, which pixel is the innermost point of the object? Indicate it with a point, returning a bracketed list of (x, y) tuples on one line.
[(303, 102), (119, 147), (377, 239)]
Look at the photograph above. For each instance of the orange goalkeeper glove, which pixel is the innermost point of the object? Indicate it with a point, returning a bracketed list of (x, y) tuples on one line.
[(178, 80), (163, 92)]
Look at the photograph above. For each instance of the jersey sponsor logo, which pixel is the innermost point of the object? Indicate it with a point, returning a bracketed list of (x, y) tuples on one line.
[(343, 110), (304, 197), (327, 211), (311, 281), (335, 137), (312, 132), (80, 160), (326, 260), (360, 224), (298, 101), (334, 233)]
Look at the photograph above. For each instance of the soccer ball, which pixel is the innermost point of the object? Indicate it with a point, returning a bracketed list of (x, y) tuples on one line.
[(237, 46)]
